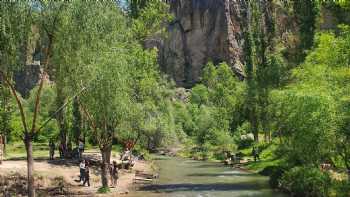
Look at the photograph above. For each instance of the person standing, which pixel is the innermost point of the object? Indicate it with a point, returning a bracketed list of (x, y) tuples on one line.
[(52, 149), (81, 148), (255, 153), (114, 174), (61, 150), (87, 174), (82, 166), (2, 144)]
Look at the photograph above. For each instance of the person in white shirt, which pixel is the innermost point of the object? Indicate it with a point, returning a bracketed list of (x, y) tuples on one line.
[(82, 170)]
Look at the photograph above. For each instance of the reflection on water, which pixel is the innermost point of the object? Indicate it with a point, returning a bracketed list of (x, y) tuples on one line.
[(187, 178)]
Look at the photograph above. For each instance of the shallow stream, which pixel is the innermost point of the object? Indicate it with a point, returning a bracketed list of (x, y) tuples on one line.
[(187, 178)]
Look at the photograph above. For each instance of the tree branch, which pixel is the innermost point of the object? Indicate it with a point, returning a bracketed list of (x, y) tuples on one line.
[(37, 102), (19, 103)]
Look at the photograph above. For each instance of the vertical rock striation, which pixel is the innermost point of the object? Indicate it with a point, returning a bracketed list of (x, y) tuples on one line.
[(203, 30)]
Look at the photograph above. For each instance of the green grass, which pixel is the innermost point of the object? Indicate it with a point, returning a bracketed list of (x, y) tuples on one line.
[(267, 158), (103, 190), (17, 150)]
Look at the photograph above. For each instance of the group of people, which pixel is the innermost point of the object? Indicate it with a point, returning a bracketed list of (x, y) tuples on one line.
[(233, 158), (84, 177), (84, 172), (128, 160), (63, 153)]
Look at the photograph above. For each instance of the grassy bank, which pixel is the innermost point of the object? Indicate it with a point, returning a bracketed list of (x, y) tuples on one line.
[(16, 151)]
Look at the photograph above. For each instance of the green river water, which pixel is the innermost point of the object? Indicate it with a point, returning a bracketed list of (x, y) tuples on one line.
[(188, 178)]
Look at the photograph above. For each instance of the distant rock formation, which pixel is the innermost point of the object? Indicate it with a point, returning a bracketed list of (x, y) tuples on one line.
[(203, 30), (212, 30), (27, 79)]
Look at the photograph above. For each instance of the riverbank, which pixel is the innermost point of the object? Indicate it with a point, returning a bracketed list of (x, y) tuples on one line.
[(60, 177)]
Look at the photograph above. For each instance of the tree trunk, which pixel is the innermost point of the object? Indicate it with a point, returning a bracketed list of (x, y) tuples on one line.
[(60, 100), (30, 166), (77, 122), (106, 158), (255, 127)]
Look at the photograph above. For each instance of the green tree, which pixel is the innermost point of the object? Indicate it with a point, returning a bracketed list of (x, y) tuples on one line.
[(18, 34), (305, 13)]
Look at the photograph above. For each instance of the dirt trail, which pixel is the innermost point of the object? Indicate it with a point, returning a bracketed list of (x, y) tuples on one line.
[(47, 171)]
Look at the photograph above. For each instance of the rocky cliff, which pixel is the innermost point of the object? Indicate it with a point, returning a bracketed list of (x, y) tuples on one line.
[(203, 30), (212, 30)]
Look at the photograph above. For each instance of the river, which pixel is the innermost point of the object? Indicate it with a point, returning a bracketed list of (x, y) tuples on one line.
[(187, 178)]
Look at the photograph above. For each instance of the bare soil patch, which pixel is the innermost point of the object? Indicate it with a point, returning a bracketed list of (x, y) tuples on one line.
[(60, 178)]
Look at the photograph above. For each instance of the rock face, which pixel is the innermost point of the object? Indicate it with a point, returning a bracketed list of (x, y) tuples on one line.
[(203, 30), (27, 79)]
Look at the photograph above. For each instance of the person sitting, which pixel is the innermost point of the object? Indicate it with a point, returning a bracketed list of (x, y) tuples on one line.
[(126, 155)]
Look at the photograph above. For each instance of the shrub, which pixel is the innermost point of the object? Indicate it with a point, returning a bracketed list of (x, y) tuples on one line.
[(306, 181), (342, 188), (243, 136), (103, 190), (275, 173)]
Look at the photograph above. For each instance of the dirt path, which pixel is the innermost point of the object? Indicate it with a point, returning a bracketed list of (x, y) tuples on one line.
[(47, 172)]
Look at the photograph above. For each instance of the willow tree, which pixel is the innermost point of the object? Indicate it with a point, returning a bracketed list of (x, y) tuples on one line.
[(105, 103), (101, 68), (18, 37)]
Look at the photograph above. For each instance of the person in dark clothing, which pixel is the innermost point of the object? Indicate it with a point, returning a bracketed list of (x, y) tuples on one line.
[(52, 150), (81, 148), (255, 153), (61, 150), (114, 174), (2, 145), (82, 171), (87, 174)]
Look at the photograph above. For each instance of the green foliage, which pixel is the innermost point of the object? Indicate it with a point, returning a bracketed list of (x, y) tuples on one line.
[(275, 173), (15, 23), (6, 111), (214, 110), (310, 139), (342, 188), (149, 18), (103, 190), (306, 12), (306, 181)]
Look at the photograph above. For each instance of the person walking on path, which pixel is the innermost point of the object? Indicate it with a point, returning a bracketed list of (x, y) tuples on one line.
[(52, 150), (114, 174), (87, 174), (255, 153), (82, 166)]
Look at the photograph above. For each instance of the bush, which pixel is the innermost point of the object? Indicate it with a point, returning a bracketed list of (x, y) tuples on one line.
[(342, 188), (275, 173), (243, 136), (103, 190), (306, 181)]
